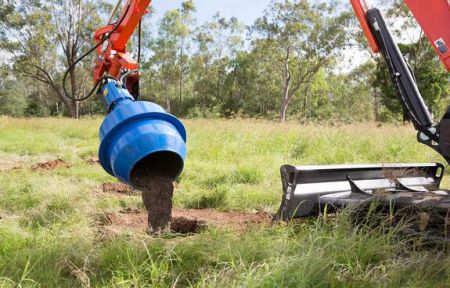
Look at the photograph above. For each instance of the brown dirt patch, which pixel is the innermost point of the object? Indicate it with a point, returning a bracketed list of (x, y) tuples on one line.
[(92, 161), (51, 165), (8, 167), (187, 226), (118, 188), (184, 221)]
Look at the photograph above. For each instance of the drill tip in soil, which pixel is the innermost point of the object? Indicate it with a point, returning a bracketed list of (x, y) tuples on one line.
[(157, 193)]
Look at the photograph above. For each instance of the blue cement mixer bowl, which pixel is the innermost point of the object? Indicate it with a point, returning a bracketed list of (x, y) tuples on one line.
[(140, 136)]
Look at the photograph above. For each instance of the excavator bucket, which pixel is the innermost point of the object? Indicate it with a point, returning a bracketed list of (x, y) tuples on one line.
[(310, 190)]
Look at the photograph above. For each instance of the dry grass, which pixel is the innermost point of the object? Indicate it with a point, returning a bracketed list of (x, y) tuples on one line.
[(48, 236)]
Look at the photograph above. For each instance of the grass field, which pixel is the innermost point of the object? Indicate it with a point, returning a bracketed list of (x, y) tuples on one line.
[(49, 236)]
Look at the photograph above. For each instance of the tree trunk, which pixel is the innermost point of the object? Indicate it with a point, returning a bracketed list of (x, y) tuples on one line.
[(76, 110), (285, 101), (181, 76), (166, 94), (167, 100), (180, 92), (283, 110), (218, 84), (167, 104)]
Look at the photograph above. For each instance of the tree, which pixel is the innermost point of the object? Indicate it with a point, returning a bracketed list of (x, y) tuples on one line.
[(201, 63), (217, 42), (298, 38), (171, 49), (12, 95), (164, 57), (183, 31), (46, 37)]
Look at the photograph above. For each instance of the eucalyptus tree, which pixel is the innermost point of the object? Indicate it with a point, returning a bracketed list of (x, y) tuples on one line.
[(43, 38), (171, 50), (217, 44), (295, 39)]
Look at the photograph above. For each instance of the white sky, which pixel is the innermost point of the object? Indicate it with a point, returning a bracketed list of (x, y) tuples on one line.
[(245, 10)]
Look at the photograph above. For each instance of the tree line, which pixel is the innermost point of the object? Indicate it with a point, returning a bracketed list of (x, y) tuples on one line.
[(289, 64)]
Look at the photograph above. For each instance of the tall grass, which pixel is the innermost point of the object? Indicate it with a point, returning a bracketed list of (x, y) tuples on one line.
[(48, 236)]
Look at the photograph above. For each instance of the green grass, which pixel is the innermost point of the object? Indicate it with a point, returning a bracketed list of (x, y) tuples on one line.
[(48, 237)]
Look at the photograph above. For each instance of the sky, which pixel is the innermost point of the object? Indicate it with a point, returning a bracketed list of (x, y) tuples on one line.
[(245, 10)]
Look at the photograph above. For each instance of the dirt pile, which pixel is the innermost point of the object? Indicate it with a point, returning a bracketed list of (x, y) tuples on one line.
[(157, 193), (233, 220), (50, 165), (184, 225), (183, 221), (118, 188), (92, 161)]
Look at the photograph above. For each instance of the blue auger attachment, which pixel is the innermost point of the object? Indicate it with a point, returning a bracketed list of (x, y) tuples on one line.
[(139, 137)]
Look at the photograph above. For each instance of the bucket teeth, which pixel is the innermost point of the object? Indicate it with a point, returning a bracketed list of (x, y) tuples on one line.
[(356, 190)]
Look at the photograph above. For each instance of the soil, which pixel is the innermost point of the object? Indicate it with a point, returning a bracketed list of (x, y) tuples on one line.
[(157, 193), (184, 225), (51, 165), (118, 188), (92, 161), (183, 221), (155, 180), (151, 177)]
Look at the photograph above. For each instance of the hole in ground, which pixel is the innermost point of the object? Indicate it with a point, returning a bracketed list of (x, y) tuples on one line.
[(184, 225), (184, 221)]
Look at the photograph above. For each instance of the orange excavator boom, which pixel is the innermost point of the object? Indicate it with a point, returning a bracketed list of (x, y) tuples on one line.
[(433, 17), (113, 58)]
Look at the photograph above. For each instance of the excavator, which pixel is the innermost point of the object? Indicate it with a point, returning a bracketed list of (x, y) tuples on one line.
[(140, 141), (311, 190)]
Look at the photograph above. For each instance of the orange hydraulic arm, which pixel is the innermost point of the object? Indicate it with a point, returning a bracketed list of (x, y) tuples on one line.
[(432, 15), (360, 7), (113, 58)]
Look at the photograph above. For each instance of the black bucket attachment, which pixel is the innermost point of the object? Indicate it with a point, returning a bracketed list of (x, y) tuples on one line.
[(307, 190)]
